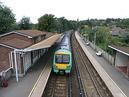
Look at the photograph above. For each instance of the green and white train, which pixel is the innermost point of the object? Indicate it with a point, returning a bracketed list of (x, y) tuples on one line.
[(62, 60)]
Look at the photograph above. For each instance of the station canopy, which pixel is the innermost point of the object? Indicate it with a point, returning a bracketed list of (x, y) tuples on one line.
[(44, 43)]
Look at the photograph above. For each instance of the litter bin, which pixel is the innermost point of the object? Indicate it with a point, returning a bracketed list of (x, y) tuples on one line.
[(5, 83)]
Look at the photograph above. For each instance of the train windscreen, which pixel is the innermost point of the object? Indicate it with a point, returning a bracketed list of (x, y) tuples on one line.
[(62, 58)]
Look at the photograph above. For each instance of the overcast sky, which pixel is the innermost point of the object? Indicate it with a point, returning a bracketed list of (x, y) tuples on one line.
[(70, 9)]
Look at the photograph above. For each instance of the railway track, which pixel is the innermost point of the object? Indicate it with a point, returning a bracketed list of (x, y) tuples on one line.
[(92, 83), (65, 85), (83, 81), (56, 87), (77, 88)]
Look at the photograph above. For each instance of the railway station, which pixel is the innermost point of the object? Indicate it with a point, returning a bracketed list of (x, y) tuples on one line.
[(25, 59), (20, 58), (88, 70), (60, 48)]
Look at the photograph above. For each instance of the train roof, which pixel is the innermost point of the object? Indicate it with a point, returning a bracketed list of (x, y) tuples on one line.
[(63, 50), (65, 43)]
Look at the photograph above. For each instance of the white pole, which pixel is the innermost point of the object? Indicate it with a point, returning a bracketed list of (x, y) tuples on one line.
[(94, 39), (12, 59), (15, 59)]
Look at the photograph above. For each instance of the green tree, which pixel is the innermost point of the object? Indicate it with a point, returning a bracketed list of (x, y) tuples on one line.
[(87, 32), (125, 39), (101, 33), (59, 25), (47, 23), (103, 37), (25, 23), (73, 25), (7, 19), (124, 23), (63, 24)]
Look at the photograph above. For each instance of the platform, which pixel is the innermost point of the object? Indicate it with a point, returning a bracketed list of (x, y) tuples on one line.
[(40, 85), (115, 81), (26, 83)]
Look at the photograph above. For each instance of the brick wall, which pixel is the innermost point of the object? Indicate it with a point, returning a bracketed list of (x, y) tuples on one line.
[(4, 58)]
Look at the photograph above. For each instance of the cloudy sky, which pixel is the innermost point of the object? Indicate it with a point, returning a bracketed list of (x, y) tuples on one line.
[(70, 9)]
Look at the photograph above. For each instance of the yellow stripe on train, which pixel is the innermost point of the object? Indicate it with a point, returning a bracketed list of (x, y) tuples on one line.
[(62, 53), (61, 66)]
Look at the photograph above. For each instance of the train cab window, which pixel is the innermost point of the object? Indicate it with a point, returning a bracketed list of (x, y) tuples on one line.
[(64, 59), (58, 58)]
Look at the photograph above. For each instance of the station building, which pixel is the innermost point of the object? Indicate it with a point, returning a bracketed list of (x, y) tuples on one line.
[(121, 60), (19, 50)]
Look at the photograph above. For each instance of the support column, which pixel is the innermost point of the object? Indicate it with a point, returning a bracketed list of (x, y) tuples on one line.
[(128, 69), (15, 61), (22, 64)]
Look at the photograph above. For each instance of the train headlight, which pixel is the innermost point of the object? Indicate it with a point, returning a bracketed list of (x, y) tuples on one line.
[(68, 66), (55, 66)]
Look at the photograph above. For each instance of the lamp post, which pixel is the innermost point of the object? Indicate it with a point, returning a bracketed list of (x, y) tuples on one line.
[(94, 39), (94, 31)]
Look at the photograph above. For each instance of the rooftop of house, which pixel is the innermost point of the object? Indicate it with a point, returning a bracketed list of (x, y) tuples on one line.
[(17, 43), (21, 44), (117, 31), (27, 33), (31, 33)]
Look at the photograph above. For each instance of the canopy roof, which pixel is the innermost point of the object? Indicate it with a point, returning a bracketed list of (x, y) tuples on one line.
[(121, 49), (44, 44)]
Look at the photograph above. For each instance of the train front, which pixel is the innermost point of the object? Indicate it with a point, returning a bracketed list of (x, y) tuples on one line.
[(62, 61)]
